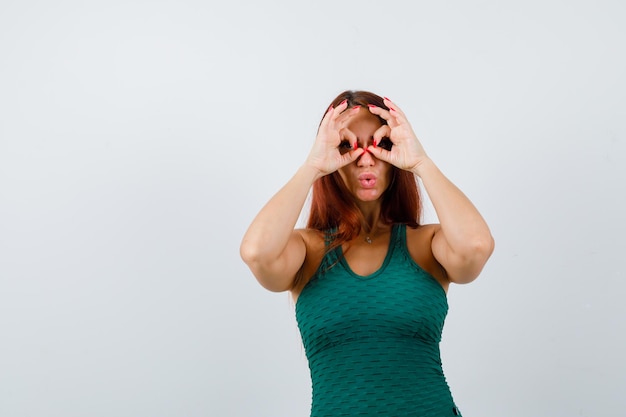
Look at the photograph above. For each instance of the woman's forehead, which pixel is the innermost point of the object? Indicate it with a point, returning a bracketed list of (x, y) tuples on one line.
[(364, 120)]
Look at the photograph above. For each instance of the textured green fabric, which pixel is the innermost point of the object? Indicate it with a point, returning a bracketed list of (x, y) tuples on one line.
[(373, 342)]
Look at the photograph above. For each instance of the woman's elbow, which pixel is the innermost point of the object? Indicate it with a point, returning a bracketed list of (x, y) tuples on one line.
[(263, 271), (249, 253), (483, 247), (472, 263)]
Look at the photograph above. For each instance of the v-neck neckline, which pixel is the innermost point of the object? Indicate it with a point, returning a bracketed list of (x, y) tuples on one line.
[(381, 269)]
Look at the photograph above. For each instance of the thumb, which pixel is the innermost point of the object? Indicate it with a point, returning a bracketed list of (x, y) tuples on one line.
[(351, 156), (380, 153)]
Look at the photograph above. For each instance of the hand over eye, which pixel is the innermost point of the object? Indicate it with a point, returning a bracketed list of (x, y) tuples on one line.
[(333, 147), (397, 144), (385, 143), (345, 146)]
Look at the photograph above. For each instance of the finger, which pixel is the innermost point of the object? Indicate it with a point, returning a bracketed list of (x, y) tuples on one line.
[(349, 135), (335, 118), (380, 153), (393, 107), (333, 113), (385, 114), (396, 113), (379, 111), (327, 117), (337, 127), (343, 104), (381, 132), (397, 117), (339, 108), (346, 115), (351, 156)]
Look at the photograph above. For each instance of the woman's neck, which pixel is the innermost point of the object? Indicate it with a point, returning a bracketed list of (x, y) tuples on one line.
[(371, 214), (371, 225)]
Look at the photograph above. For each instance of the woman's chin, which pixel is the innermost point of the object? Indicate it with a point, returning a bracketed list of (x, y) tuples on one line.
[(367, 195)]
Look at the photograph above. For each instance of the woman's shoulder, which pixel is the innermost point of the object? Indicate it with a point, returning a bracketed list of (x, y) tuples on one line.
[(419, 244), (312, 238), (315, 242), (423, 231)]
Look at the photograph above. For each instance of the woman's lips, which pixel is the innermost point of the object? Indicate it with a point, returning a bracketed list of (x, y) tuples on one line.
[(367, 180)]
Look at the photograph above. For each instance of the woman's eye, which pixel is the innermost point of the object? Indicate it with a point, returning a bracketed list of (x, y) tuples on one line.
[(344, 146), (385, 143)]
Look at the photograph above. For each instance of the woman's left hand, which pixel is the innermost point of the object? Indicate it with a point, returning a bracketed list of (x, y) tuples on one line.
[(406, 151)]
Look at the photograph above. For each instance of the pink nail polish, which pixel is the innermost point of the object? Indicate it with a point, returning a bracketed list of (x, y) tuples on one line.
[(356, 107), (386, 98), (356, 145), (343, 102), (374, 143), (371, 106)]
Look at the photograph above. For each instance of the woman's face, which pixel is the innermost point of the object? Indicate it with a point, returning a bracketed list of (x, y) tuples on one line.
[(367, 178)]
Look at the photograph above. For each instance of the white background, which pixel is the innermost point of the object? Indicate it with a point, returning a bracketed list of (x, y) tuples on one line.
[(138, 139)]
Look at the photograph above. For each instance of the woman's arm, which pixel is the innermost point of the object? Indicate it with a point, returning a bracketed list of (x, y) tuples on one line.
[(271, 248), (462, 243)]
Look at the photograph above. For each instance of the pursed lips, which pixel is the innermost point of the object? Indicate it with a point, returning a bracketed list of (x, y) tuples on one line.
[(367, 180)]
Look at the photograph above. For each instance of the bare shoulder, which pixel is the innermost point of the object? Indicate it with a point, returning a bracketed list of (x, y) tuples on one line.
[(315, 248), (419, 244), (313, 240)]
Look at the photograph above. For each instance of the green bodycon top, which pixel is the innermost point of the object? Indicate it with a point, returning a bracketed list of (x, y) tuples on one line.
[(372, 342)]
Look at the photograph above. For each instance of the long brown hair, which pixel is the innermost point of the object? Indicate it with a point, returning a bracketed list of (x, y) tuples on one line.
[(333, 207)]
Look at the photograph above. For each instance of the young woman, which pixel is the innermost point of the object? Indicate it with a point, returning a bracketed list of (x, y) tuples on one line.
[(369, 280)]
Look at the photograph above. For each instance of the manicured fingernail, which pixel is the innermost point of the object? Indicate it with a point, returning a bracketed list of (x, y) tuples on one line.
[(371, 106), (374, 143), (356, 107), (392, 109), (356, 145), (386, 98), (343, 102)]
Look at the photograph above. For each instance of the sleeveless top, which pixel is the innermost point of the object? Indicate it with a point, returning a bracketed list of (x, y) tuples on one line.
[(372, 342)]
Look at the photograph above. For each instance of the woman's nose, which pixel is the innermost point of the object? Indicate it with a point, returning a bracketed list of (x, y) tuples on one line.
[(367, 159)]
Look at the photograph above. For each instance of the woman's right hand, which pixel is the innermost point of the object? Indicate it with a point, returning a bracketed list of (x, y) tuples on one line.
[(334, 145)]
